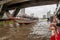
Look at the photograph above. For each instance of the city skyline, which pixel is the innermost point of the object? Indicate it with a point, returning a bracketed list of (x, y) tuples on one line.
[(39, 11)]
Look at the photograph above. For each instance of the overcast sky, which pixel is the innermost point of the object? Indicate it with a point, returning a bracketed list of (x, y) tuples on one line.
[(39, 11)]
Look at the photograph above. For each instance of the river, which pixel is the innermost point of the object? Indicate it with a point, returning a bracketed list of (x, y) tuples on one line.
[(34, 31)]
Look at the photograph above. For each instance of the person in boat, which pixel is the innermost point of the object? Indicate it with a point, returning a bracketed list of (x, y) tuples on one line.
[(55, 32), (58, 27), (53, 28), (58, 31)]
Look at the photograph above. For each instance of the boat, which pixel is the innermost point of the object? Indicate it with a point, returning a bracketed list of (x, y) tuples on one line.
[(27, 20)]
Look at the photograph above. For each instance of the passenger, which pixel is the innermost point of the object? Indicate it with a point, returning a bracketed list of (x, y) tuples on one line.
[(58, 31), (53, 28), (58, 26), (53, 32)]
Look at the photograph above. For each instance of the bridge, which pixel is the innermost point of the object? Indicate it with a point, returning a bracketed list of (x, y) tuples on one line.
[(7, 5), (12, 4)]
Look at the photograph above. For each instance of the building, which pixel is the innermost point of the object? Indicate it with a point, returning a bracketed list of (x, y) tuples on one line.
[(21, 12), (44, 16), (48, 14), (32, 15)]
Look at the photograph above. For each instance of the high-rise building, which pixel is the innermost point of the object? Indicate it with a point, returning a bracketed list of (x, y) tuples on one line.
[(44, 16), (48, 14), (32, 15), (22, 11)]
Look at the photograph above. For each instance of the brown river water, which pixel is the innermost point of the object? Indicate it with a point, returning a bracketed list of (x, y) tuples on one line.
[(33, 31)]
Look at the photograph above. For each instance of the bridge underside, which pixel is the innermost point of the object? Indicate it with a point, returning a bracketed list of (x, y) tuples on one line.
[(30, 3), (18, 4)]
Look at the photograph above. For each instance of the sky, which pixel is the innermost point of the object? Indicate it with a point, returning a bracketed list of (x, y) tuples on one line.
[(39, 11)]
